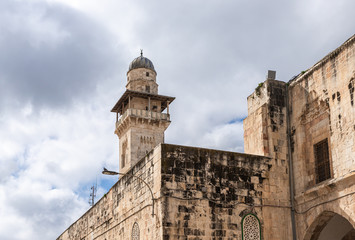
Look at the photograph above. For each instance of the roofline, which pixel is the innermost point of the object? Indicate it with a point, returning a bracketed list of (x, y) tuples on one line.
[(321, 62), (118, 106)]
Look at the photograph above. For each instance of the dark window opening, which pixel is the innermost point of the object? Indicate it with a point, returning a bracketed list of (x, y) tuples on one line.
[(321, 155), (146, 108), (147, 74), (155, 108), (123, 160), (351, 91), (147, 89), (123, 155), (338, 96)]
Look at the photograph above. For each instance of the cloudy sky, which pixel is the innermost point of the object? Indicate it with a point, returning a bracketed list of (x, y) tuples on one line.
[(63, 66)]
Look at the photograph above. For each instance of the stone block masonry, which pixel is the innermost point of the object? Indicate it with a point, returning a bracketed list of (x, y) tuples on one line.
[(322, 105), (206, 193), (198, 194), (321, 136), (127, 203)]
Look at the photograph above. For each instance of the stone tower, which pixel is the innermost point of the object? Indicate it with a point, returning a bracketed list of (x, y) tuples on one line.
[(142, 122)]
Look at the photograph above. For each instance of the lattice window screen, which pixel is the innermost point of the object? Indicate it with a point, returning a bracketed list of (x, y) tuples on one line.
[(251, 228), (321, 153), (135, 231)]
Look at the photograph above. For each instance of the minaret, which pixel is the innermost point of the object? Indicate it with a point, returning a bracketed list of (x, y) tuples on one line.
[(142, 121)]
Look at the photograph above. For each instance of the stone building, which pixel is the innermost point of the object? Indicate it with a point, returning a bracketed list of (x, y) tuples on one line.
[(295, 182)]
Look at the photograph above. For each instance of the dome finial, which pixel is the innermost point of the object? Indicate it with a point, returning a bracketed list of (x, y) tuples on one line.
[(141, 52)]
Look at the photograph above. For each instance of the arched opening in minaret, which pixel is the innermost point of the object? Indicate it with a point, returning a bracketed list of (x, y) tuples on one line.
[(330, 226), (123, 155)]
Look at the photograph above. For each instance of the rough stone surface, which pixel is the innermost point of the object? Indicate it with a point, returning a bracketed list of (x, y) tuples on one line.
[(199, 194), (321, 108), (138, 79), (142, 124), (206, 193), (129, 201)]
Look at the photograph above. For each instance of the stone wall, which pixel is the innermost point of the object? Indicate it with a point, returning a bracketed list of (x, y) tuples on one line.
[(265, 133), (206, 193), (265, 127), (322, 107), (129, 201), (138, 79), (199, 194)]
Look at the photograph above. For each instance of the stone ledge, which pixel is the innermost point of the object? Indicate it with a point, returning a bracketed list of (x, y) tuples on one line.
[(326, 187)]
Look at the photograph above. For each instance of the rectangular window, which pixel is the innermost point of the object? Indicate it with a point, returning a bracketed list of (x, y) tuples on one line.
[(123, 161), (147, 89), (147, 74), (321, 156)]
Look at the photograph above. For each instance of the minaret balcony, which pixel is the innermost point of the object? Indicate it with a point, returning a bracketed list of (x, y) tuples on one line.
[(145, 114)]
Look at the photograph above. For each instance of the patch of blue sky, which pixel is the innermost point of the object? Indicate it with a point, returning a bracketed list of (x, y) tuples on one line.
[(236, 120), (107, 182)]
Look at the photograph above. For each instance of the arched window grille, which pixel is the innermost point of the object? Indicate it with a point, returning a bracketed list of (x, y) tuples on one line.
[(135, 231), (251, 227)]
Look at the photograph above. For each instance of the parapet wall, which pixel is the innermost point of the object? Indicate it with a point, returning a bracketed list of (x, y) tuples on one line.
[(206, 193)]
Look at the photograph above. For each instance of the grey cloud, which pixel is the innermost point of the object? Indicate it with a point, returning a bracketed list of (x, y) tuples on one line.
[(211, 55), (51, 54), (227, 35)]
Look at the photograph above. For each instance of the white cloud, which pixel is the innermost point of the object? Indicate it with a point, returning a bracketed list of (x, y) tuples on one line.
[(32, 210), (226, 137), (50, 158)]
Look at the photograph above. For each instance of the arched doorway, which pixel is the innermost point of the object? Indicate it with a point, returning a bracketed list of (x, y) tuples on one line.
[(330, 226)]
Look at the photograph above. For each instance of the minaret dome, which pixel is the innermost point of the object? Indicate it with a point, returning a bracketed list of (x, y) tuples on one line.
[(141, 62), (141, 76)]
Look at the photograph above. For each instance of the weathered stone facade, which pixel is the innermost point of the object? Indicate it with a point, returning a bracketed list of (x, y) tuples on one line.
[(320, 111), (198, 194), (322, 108), (300, 185), (207, 193), (129, 201)]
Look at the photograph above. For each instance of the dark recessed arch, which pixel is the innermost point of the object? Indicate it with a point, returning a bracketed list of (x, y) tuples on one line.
[(330, 226)]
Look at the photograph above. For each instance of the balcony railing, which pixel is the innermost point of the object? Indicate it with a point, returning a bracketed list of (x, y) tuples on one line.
[(144, 114)]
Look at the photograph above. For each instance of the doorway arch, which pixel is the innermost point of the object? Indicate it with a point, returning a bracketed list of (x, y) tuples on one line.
[(330, 226)]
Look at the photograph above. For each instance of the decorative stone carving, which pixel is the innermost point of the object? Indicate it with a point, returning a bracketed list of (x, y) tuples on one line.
[(135, 231), (251, 228)]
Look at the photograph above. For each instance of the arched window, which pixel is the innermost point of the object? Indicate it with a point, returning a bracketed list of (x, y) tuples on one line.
[(135, 231), (123, 155), (251, 227)]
